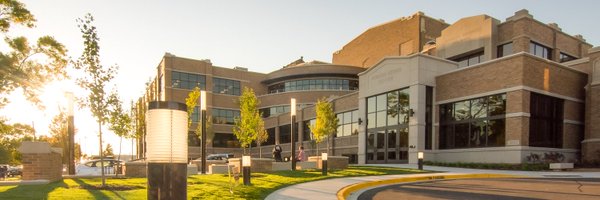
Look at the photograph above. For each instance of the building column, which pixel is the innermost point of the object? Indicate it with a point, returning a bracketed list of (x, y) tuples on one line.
[(416, 123), (362, 131), (590, 146)]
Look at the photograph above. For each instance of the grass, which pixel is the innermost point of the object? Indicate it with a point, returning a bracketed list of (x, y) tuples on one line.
[(214, 186), (499, 166)]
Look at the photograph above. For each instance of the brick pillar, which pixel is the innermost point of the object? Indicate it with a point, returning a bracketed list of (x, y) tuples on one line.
[(591, 143), (40, 161)]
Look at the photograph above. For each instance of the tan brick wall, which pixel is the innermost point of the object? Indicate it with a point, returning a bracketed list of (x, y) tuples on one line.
[(517, 129), (398, 37), (135, 169), (518, 101), (572, 136), (574, 111), (47, 166)]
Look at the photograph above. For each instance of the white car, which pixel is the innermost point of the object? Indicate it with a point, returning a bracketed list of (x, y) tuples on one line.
[(92, 167)]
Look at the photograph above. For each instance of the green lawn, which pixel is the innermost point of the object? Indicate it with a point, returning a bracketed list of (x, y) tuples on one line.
[(199, 186)]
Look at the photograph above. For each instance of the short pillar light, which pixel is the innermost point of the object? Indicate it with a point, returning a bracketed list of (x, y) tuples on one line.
[(324, 163), (167, 156), (420, 162), (246, 164)]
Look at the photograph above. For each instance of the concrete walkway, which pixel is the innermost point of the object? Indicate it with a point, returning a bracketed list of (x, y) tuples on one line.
[(327, 189)]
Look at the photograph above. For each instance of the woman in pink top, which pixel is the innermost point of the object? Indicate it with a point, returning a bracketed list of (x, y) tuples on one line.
[(301, 155)]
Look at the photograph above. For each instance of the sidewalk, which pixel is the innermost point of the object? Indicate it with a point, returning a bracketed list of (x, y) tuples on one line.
[(327, 189)]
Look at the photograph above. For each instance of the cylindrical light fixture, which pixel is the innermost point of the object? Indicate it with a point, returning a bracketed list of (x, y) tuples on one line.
[(420, 162), (203, 122), (324, 163), (293, 132), (166, 138), (246, 164)]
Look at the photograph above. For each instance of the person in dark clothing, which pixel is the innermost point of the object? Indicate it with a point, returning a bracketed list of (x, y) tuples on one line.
[(277, 153)]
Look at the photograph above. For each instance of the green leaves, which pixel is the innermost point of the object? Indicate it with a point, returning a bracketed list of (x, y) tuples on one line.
[(326, 122), (119, 120), (191, 101), (25, 65), (249, 126)]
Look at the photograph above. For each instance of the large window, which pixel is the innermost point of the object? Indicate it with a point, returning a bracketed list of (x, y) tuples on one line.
[(226, 86), (546, 121), (469, 60), (224, 116), (196, 114), (388, 109), (540, 50), (428, 116), (276, 110), (566, 57), (473, 123), (187, 80), (285, 134), (348, 123), (227, 140), (314, 84), (505, 50), (306, 133)]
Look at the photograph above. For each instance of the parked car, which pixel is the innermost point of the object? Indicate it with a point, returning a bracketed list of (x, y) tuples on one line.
[(15, 171), (218, 156), (92, 167)]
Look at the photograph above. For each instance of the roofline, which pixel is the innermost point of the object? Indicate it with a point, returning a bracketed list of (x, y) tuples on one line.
[(406, 57)]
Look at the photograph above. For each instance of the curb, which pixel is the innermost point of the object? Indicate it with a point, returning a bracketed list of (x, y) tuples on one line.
[(343, 193)]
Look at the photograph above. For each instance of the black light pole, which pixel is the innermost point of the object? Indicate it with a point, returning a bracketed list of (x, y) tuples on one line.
[(71, 133), (203, 113), (293, 121), (246, 164)]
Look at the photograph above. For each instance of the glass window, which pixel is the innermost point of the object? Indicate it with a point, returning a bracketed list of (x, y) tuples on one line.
[(226, 140), (545, 123), (187, 81), (346, 123), (381, 102), (470, 59), (505, 50), (226, 86), (540, 50), (314, 84), (473, 123), (566, 57)]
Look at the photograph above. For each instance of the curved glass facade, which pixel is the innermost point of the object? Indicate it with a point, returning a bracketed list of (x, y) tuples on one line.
[(314, 84)]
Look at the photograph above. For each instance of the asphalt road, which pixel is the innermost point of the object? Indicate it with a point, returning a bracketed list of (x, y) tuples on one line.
[(514, 189)]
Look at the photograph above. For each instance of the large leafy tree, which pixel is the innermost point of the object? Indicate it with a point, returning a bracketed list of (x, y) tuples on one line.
[(11, 136), (249, 125), (326, 122), (27, 65), (95, 79)]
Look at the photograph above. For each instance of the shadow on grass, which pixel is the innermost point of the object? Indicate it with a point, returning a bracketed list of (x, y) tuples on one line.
[(95, 192), (32, 191)]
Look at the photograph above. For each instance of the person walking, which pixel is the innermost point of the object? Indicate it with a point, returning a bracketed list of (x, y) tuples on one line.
[(277, 153)]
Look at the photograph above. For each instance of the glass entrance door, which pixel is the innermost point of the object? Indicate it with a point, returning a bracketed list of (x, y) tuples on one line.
[(387, 145)]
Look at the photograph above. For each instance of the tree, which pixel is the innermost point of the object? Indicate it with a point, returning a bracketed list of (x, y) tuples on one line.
[(27, 66), (11, 136), (59, 136), (248, 125), (191, 102), (95, 79), (326, 122), (108, 151), (120, 121), (261, 135)]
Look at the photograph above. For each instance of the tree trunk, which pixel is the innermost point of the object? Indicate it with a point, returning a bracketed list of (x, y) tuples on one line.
[(101, 156), (327, 145), (119, 156)]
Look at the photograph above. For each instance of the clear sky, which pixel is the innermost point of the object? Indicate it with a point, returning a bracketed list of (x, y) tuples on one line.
[(260, 35)]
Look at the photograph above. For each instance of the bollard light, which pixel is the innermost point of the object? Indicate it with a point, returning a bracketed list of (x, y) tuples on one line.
[(293, 131), (167, 153), (246, 164), (324, 163), (420, 162)]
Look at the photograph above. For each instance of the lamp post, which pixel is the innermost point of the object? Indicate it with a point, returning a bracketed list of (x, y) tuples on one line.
[(166, 126), (71, 133), (420, 162), (324, 163), (246, 163), (293, 132), (203, 115)]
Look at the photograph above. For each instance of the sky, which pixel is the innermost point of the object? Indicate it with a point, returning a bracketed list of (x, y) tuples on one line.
[(260, 35)]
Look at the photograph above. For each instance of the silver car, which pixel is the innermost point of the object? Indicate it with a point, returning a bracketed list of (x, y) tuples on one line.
[(92, 167)]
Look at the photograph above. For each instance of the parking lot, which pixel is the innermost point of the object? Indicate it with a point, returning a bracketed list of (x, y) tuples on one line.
[(520, 188)]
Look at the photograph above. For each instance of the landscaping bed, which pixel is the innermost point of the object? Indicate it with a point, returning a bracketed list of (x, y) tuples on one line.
[(215, 186)]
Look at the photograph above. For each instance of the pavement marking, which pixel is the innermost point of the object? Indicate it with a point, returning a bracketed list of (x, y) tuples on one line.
[(343, 193)]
